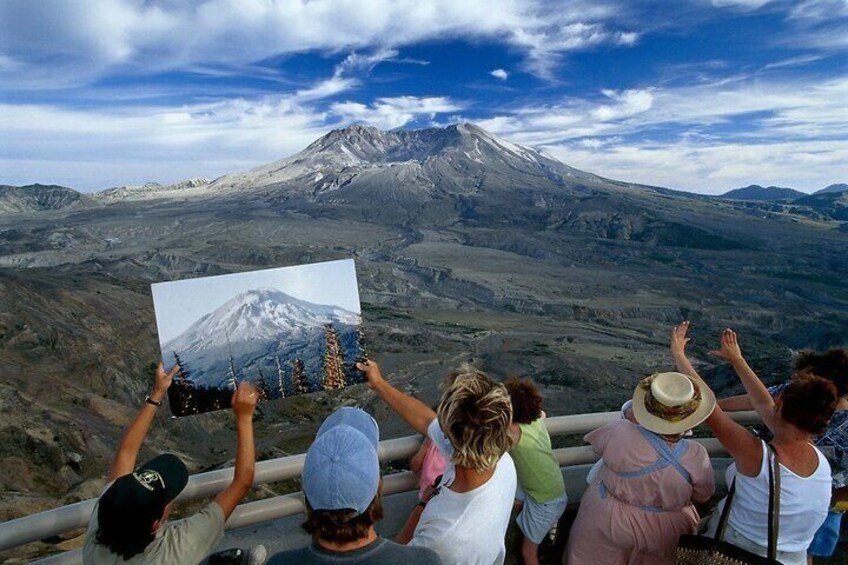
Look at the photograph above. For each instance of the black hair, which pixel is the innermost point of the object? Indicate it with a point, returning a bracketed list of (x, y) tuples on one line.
[(808, 402), (831, 365), (127, 534)]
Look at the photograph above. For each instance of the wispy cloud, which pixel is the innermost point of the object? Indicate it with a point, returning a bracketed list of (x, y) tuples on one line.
[(54, 44), (743, 4), (390, 113), (762, 129), (500, 73), (86, 148), (712, 167)]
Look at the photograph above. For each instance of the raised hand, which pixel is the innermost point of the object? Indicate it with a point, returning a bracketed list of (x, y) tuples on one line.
[(163, 380), (372, 372), (729, 349), (679, 339), (244, 399)]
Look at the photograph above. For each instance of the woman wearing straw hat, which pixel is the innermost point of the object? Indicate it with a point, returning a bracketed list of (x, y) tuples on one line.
[(641, 500)]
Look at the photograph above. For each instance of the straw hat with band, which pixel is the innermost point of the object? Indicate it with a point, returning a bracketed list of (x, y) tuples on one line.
[(671, 403)]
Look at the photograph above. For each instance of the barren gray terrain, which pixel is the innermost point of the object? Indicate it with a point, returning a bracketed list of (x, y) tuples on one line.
[(467, 248)]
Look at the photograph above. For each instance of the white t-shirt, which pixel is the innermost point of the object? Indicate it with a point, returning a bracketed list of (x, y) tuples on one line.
[(803, 504), (467, 528)]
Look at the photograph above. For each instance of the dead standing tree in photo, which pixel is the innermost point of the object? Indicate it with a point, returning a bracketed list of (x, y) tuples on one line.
[(281, 388), (299, 377), (334, 367), (231, 382)]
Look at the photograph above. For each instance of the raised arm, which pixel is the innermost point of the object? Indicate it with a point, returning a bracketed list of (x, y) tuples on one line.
[(413, 411), (738, 403), (758, 394), (738, 441), (679, 340), (244, 403), (127, 453)]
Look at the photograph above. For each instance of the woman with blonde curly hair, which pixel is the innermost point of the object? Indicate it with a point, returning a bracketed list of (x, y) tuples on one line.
[(466, 520)]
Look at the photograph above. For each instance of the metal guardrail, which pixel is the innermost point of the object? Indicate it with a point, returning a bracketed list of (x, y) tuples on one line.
[(76, 516)]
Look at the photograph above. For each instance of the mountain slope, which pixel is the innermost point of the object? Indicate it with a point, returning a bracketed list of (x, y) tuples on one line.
[(253, 325), (429, 162), (257, 315), (37, 197), (833, 188), (757, 192), (151, 190), (459, 174)]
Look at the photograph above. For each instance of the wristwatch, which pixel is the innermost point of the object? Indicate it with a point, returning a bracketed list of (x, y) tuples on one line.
[(149, 400)]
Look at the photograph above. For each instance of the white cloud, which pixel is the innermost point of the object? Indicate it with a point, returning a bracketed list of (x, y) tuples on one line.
[(344, 75), (744, 4), (390, 113), (500, 73), (95, 149), (818, 10), (55, 44), (545, 44), (627, 103), (727, 133), (713, 168)]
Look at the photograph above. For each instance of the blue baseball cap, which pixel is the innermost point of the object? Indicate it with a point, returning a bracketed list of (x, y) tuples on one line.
[(342, 470)]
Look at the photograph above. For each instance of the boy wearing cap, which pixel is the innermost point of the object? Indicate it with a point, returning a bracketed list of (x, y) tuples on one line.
[(128, 522), (465, 522), (341, 484)]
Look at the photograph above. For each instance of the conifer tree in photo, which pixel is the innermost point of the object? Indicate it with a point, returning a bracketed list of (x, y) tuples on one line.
[(182, 395), (334, 367), (262, 386)]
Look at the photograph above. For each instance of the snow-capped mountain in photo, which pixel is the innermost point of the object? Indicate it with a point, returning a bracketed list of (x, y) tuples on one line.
[(258, 315), (256, 328)]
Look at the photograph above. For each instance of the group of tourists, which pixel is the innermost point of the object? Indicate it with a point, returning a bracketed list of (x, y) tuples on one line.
[(487, 456)]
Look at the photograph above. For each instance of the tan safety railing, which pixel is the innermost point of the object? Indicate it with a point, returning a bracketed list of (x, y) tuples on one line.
[(76, 516)]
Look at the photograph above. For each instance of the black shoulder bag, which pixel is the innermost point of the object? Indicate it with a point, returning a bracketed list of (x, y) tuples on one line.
[(705, 550)]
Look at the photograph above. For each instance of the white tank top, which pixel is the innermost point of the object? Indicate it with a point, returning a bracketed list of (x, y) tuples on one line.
[(804, 502)]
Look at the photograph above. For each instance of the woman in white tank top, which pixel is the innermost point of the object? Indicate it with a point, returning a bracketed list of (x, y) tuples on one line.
[(799, 413)]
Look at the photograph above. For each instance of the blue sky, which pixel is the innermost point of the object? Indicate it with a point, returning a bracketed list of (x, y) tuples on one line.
[(700, 95)]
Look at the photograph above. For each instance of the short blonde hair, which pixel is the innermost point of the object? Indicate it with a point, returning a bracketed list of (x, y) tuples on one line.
[(475, 414)]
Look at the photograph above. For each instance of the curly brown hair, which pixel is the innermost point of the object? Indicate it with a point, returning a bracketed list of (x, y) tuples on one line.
[(526, 400), (808, 402), (342, 526), (831, 365)]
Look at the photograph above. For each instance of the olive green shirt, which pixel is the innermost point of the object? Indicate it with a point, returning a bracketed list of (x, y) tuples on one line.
[(538, 471)]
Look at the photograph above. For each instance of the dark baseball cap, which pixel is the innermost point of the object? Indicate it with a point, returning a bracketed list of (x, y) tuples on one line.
[(146, 491)]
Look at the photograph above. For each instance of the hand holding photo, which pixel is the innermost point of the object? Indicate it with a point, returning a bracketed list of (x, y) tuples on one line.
[(288, 331)]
